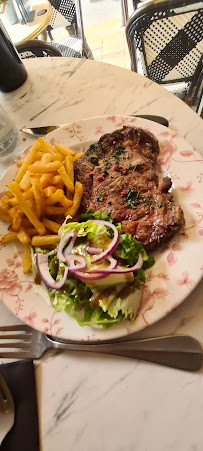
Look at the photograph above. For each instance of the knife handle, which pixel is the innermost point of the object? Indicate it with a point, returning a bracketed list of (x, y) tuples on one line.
[(177, 351), (159, 119)]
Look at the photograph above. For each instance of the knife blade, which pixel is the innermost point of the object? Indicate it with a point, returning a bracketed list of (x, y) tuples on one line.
[(41, 131)]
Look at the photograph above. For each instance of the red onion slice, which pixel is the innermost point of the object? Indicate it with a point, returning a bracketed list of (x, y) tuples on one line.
[(72, 258), (113, 263), (118, 270), (60, 255), (85, 276), (94, 250), (108, 251), (43, 270)]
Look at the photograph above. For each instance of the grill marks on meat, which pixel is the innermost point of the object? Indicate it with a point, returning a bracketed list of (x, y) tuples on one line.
[(125, 182)]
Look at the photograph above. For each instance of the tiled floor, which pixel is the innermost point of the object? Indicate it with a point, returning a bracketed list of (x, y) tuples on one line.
[(108, 43), (104, 31)]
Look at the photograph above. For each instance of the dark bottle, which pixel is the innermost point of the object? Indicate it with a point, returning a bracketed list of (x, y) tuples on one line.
[(12, 70)]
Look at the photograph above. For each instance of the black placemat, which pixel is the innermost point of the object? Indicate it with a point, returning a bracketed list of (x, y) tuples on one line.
[(20, 378)]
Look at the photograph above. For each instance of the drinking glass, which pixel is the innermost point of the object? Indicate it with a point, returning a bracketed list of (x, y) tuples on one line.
[(8, 134)]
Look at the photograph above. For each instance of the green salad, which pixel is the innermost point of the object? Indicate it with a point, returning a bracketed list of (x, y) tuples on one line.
[(96, 271)]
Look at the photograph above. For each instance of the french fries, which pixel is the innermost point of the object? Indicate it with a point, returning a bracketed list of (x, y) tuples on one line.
[(5, 218), (56, 197), (77, 156), (25, 183), (45, 240), (63, 150), (25, 207), (54, 211), (51, 225), (66, 179), (23, 236), (17, 219), (9, 237), (76, 200), (39, 198), (27, 260), (27, 161), (48, 167)]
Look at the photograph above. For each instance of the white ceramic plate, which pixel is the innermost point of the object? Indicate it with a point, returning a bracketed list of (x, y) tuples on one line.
[(178, 265)]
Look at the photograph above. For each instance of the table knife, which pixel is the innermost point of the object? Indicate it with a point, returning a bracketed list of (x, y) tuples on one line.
[(41, 131)]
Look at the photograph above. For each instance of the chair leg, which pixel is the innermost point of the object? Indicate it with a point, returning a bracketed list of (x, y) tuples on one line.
[(79, 11), (124, 12), (71, 29), (135, 4), (86, 52), (43, 35), (49, 31), (200, 104)]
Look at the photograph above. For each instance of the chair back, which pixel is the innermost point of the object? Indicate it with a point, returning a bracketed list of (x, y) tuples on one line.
[(165, 41), (68, 14), (63, 14), (34, 48)]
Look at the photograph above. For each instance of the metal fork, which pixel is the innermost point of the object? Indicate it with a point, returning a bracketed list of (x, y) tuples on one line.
[(178, 351), (7, 413)]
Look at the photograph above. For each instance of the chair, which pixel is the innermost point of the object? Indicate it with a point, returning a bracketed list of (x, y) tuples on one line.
[(34, 48), (136, 3), (66, 15), (165, 41)]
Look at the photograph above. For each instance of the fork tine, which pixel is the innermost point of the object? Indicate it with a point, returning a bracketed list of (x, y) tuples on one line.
[(15, 355), (6, 397), (1, 398), (18, 345), (22, 327), (20, 340), (15, 337), (4, 394)]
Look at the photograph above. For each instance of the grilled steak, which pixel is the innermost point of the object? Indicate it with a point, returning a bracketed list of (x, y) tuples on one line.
[(118, 174)]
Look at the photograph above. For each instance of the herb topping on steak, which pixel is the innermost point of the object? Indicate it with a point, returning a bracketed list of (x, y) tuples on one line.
[(118, 174)]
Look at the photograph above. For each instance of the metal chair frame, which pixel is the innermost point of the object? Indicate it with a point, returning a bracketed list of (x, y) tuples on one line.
[(140, 21), (72, 12), (34, 48)]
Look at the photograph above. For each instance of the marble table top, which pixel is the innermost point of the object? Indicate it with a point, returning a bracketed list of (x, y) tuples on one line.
[(94, 402)]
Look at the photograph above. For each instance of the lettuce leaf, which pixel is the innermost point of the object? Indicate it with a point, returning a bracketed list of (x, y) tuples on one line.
[(74, 297), (128, 248), (97, 234), (128, 305), (91, 214)]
